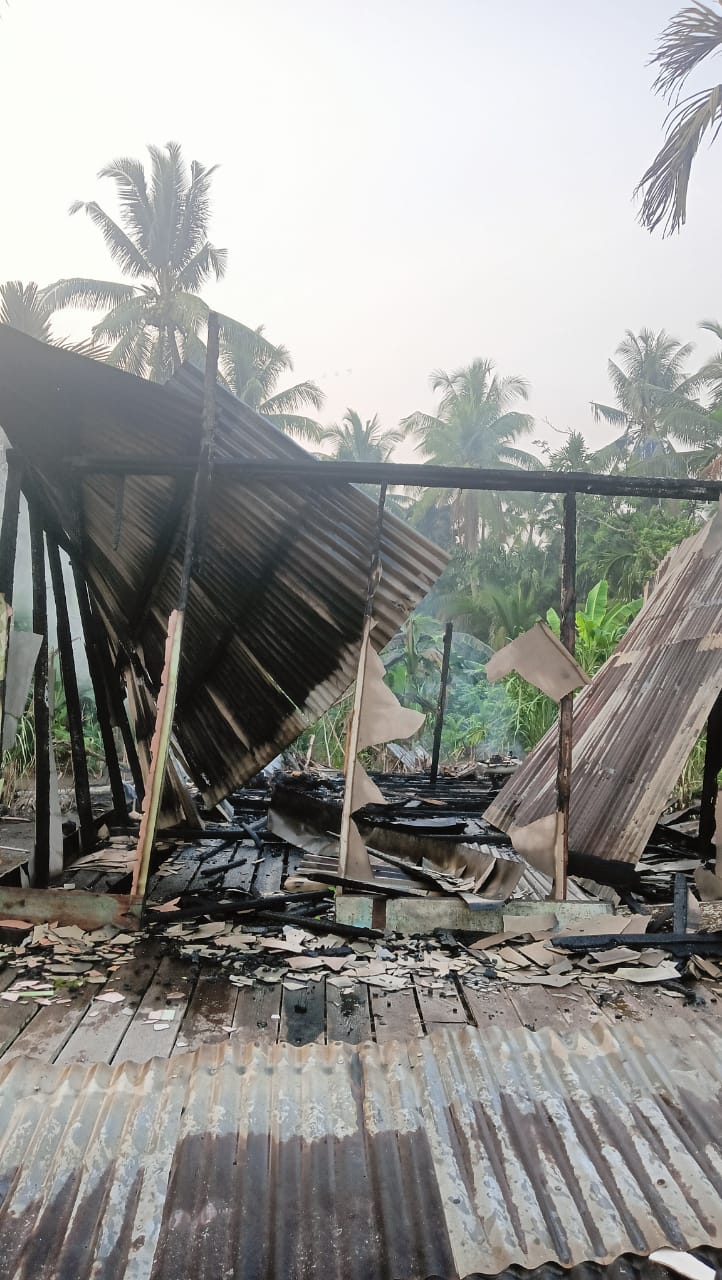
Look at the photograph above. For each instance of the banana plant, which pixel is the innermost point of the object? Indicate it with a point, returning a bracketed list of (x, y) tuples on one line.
[(600, 626)]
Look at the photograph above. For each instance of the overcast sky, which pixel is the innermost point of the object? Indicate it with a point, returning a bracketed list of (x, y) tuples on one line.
[(403, 184)]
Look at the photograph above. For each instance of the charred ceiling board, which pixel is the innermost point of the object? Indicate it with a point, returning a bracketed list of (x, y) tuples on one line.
[(636, 723), (274, 615)]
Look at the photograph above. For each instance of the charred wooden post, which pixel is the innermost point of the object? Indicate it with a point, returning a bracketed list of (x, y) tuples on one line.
[(118, 713), (72, 701), (712, 766), (355, 721), (102, 705), (567, 635), (8, 548), (41, 715), (9, 527), (438, 727), (195, 537)]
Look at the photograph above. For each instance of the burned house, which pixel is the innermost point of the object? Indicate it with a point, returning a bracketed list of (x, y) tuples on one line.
[(394, 1026)]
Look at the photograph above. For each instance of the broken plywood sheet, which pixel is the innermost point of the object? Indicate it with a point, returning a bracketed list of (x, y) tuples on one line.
[(540, 658), (636, 723)]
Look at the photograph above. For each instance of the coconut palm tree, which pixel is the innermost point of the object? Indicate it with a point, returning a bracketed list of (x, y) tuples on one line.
[(251, 369), (155, 319), (692, 35), (24, 307), (656, 404), (475, 425), (353, 440)]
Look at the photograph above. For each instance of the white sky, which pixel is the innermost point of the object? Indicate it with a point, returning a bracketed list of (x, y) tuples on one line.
[(404, 184)]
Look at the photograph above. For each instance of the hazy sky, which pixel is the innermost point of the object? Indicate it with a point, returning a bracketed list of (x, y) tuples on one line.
[(403, 184)]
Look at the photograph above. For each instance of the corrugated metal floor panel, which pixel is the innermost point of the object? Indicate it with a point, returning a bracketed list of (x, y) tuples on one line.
[(275, 611), (455, 1155), (636, 723)]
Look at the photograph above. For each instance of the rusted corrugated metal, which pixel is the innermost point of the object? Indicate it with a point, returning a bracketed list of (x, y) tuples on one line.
[(453, 1155), (636, 723), (274, 617)]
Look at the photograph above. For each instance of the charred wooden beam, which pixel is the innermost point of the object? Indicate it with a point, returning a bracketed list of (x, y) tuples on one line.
[(72, 701), (439, 725), (41, 714), (9, 527), (197, 517), (567, 635), (712, 766), (102, 705), (684, 944), (414, 474), (8, 548)]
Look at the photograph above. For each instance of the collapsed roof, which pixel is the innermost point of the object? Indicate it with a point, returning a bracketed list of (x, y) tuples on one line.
[(276, 605)]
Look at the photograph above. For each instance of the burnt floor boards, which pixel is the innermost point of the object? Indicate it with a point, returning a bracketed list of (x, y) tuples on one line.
[(209, 1009)]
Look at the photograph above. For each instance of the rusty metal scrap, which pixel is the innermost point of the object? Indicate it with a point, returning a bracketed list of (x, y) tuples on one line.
[(275, 611), (636, 723), (453, 1155)]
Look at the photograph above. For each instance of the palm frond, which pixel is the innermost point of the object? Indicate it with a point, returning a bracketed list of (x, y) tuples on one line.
[(121, 247), (129, 177), (712, 326), (24, 308), (120, 319), (206, 262), (132, 351), (607, 413), (90, 294), (193, 229), (296, 425), (294, 398), (666, 182), (690, 36)]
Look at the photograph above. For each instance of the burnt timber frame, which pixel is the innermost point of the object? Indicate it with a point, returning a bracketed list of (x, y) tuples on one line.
[(248, 474)]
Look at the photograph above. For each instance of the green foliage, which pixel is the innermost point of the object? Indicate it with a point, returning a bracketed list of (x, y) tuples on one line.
[(21, 757), (599, 625)]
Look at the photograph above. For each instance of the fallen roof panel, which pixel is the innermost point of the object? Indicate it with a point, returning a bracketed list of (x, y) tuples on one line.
[(274, 618), (453, 1155), (637, 722)]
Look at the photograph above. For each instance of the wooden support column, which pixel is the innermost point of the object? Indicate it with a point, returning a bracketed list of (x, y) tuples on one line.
[(41, 716), (102, 707), (192, 559), (9, 527), (8, 548), (72, 701), (355, 721), (567, 635), (118, 713), (438, 727), (712, 766)]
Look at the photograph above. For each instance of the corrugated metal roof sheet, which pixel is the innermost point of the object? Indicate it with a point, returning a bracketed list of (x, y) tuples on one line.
[(274, 617), (636, 723), (453, 1155)]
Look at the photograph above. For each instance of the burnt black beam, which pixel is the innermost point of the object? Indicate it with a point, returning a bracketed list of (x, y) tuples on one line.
[(567, 635), (684, 944), (102, 707), (72, 701), (712, 766), (9, 528), (414, 474), (441, 708), (41, 713)]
